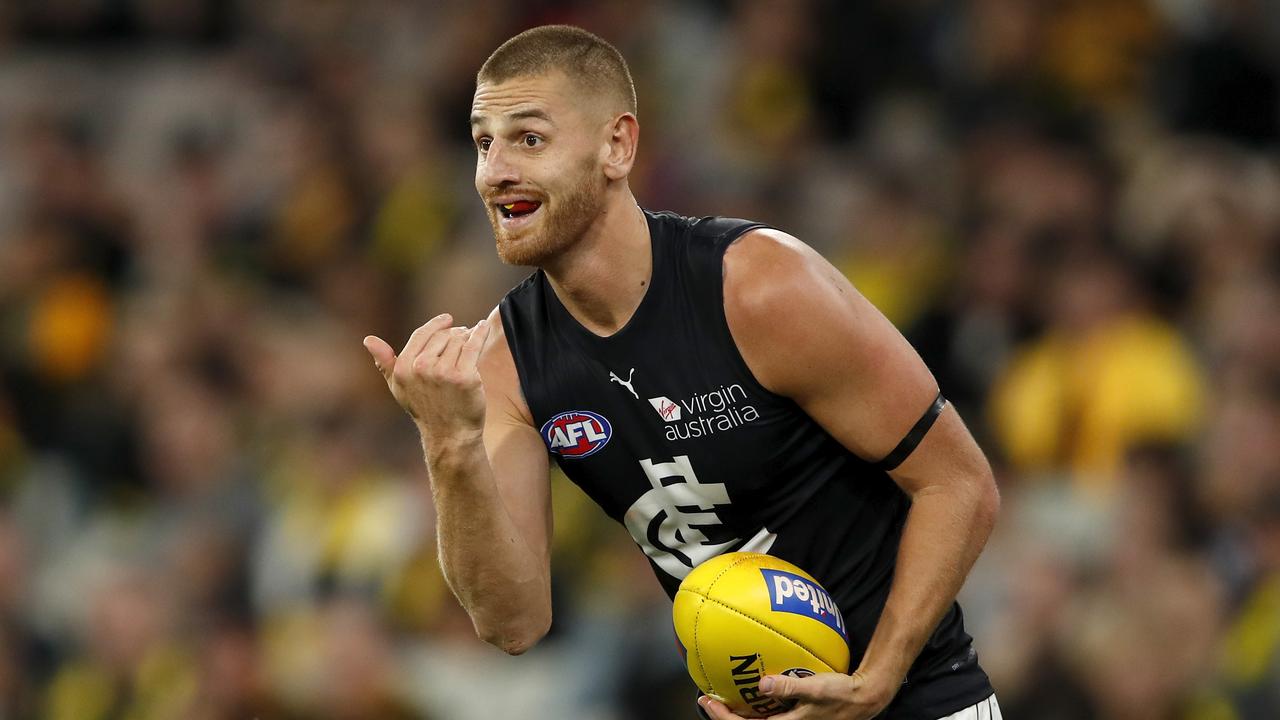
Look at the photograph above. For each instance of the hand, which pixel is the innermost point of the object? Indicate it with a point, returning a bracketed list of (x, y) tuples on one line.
[(435, 377), (825, 696)]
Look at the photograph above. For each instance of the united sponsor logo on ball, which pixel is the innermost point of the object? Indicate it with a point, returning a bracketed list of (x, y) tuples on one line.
[(791, 593), (576, 434)]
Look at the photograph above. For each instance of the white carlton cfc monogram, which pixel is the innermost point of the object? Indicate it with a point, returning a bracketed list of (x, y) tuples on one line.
[(666, 520)]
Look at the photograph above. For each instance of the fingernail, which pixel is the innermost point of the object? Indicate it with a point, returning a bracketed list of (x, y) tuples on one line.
[(702, 701), (766, 684)]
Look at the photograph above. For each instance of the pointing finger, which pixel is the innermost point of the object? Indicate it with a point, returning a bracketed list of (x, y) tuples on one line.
[(419, 338), (384, 358)]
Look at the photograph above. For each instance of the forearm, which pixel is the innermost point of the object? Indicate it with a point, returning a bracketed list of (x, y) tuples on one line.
[(500, 580), (945, 531)]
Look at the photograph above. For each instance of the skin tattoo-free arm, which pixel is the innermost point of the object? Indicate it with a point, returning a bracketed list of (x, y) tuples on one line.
[(806, 333), (488, 471)]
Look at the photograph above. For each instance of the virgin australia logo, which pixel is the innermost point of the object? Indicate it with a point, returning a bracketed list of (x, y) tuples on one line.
[(667, 410), (702, 414)]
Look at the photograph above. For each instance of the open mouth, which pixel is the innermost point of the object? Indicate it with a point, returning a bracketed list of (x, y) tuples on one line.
[(519, 208)]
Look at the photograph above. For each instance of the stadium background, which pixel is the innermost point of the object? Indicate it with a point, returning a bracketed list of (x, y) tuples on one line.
[(211, 508)]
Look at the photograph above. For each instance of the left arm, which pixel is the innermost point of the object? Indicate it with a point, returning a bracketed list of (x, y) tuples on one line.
[(807, 334)]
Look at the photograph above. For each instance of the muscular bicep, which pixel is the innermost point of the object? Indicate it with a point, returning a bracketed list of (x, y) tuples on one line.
[(808, 334), (515, 449)]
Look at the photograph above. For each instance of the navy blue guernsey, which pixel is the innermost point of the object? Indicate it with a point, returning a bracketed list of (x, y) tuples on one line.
[(665, 427)]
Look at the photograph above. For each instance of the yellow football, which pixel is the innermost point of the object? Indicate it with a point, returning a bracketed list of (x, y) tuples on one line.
[(741, 616)]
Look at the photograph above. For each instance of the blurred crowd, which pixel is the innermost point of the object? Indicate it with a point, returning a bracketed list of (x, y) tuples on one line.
[(211, 508)]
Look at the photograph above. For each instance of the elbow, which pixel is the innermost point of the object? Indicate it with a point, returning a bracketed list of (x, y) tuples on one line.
[(514, 638), (989, 507)]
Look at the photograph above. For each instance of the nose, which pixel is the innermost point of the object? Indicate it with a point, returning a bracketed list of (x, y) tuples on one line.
[(495, 170)]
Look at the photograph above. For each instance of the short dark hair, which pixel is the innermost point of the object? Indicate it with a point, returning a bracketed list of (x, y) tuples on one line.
[(584, 57)]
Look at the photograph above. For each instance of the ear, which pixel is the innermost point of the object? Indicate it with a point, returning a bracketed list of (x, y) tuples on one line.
[(620, 146)]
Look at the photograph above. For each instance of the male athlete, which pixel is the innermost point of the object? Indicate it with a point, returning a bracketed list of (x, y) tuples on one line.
[(715, 385)]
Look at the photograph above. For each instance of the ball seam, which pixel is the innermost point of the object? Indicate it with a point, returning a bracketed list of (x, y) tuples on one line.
[(762, 624), (701, 665), (698, 615)]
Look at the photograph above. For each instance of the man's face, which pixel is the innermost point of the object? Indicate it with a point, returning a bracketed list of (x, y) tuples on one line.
[(538, 165)]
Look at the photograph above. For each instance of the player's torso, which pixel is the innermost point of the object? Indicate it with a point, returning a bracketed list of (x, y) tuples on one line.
[(679, 452), (665, 427)]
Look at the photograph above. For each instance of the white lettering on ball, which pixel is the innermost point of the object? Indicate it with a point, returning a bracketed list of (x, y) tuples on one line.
[(781, 588)]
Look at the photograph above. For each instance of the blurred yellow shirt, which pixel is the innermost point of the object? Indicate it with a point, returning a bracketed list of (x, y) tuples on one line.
[(1078, 403)]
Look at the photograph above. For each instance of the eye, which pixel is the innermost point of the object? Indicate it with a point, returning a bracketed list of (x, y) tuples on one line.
[(531, 140), (483, 144)]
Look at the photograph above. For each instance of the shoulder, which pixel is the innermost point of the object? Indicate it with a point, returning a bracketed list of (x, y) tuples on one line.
[(710, 227), (498, 371), (769, 273), (791, 313), (806, 333), (521, 317)]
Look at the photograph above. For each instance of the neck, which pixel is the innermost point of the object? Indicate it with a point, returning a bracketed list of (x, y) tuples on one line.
[(604, 276)]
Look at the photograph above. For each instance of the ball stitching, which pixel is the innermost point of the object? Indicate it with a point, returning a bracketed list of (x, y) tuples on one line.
[(707, 598), (764, 625)]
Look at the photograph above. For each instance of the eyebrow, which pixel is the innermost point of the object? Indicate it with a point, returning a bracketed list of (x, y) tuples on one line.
[(535, 113)]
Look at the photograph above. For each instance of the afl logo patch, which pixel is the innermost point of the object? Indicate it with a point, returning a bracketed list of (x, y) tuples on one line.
[(576, 434)]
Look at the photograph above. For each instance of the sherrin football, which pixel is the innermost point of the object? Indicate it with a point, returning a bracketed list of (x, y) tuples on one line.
[(741, 616)]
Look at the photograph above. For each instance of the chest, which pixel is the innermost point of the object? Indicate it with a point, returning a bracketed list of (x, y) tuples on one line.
[(694, 428)]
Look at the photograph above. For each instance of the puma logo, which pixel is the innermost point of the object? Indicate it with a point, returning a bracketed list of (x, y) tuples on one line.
[(625, 383)]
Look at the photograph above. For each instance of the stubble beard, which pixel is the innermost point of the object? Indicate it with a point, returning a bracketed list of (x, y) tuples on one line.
[(565, 222)]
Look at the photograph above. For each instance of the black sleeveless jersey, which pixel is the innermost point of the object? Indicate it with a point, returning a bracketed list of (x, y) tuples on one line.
[(665, 427)]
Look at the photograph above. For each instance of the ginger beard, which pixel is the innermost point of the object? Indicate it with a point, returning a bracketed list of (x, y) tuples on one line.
[(565, 219)]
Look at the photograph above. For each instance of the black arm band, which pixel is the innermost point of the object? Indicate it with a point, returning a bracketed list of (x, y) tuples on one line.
[(913, 438)]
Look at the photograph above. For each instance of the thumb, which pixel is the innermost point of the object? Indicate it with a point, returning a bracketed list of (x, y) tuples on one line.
[(787, 687), (383, 356)]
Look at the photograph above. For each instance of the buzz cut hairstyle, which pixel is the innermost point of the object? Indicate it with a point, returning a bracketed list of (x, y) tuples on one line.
[(584, 57)]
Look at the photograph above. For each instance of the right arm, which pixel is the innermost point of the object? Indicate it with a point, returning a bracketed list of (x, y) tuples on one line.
[(488, 471)]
